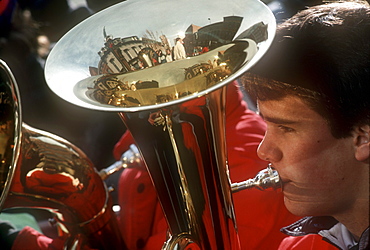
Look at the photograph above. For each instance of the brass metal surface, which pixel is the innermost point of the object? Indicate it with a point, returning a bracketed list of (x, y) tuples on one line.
[(174, 110)]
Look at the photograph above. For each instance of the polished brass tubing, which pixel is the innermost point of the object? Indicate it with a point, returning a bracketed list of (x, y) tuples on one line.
[(266, 179)]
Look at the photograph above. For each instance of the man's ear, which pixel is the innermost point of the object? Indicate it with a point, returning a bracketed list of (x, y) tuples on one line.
[(362, 142)]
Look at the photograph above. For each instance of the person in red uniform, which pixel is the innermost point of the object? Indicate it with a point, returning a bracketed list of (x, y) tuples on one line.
[(259, 214), (312, 89)]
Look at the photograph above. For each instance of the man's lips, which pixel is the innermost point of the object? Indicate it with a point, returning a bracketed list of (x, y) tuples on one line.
[(282, 178)]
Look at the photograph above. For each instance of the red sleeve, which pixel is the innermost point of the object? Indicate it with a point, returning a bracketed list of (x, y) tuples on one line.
[(138, 200), (29, 238), (122, 145), (308, 242)]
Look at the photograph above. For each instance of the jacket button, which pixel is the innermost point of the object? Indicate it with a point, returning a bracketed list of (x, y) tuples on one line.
[(140, 188)]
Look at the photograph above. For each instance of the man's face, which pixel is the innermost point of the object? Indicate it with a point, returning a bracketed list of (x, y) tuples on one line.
[(319, 171)]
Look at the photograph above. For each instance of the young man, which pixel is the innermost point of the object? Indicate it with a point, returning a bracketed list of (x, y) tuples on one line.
[(313, 91)]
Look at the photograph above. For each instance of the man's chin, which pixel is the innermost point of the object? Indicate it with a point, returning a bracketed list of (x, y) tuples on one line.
[(302, 208)]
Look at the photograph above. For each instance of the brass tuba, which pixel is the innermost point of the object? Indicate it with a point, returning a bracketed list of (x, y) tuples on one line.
[(40, 170), (173, 107)]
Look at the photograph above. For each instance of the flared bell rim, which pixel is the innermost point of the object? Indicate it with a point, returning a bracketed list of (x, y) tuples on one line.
[(69, 61)]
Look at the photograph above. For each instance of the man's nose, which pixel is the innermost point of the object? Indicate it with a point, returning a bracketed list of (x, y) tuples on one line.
[(268, 150)]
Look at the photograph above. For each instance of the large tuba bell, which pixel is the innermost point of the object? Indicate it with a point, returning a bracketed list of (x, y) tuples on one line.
[(173, 107), (40, 170)]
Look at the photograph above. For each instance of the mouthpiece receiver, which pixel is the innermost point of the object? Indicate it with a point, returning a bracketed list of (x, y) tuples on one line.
[(266, 179)]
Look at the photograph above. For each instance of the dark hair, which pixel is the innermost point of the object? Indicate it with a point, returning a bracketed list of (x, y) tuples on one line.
[(321, 54)]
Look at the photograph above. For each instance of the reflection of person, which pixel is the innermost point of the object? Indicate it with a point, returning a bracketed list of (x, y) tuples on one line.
[(179, 50), (41, 181), (205, 50), (168, 55), (142, 221), (313, 91), (161, 57)]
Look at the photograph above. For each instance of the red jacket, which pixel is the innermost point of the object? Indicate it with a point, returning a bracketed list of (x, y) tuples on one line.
[(259, 215), (307, 242), (29, 238)]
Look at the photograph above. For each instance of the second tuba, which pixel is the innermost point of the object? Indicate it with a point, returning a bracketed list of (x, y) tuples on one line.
[(42, 171)]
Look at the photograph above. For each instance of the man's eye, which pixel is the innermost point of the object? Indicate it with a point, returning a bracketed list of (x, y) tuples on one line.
[(285, 129)]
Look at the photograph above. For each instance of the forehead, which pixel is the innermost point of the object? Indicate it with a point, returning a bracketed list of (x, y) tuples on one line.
[(289, 108)]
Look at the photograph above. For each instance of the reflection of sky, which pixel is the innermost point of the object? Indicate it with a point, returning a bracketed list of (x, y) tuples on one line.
[(69, 61), (87, 39)]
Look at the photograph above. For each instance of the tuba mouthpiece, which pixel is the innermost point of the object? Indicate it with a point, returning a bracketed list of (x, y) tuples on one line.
[(266, 179)]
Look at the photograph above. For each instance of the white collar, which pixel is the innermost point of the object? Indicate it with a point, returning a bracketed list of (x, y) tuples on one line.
[(340, 236)]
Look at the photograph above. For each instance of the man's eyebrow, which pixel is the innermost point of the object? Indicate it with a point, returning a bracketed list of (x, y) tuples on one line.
[(276, 120)]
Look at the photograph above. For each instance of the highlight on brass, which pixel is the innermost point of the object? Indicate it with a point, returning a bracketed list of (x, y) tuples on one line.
[(39, 170), (7, 120), (204, 57), (266, 179), (53, 168), (173, 106), (115, 61), (9, 129)]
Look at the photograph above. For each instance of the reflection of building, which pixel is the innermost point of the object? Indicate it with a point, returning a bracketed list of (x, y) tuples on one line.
[(258, 32), (213, 35), (164, 40), (121, 55), (109, 83), (108, 90), (106, 87)]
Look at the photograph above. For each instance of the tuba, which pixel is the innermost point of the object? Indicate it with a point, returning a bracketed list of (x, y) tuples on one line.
[(173, 107), (42, 171)]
